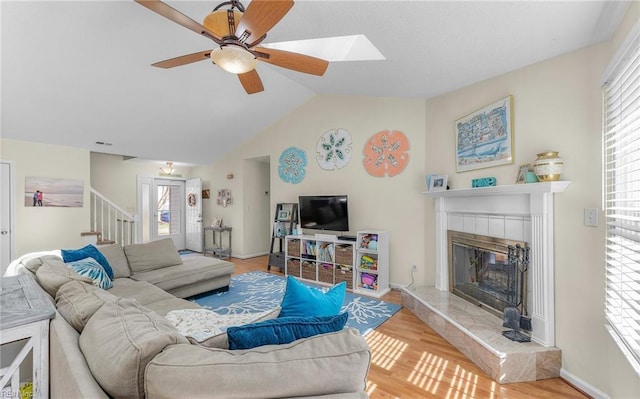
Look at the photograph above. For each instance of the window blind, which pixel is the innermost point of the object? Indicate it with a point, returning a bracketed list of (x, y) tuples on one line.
[(621, 146)]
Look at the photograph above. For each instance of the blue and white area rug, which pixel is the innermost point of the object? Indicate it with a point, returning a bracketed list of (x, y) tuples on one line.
[(256, 292)]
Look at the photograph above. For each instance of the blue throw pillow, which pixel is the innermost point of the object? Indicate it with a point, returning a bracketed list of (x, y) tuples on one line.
[(89, 267), (283, 330), (300, 300), (70, 255)]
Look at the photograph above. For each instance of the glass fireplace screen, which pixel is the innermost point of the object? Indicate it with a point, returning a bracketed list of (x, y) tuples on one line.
[(483, 271)]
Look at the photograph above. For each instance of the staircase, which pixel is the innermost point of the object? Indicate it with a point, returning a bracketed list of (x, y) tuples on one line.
[(110, 224)]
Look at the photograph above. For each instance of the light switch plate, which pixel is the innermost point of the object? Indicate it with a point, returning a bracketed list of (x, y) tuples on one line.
[(591, 217)]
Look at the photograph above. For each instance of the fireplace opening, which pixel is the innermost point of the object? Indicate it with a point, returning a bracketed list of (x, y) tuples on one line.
[(486, 271)]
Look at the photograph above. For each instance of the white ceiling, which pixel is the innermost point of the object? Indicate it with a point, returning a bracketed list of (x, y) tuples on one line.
[(74, 73)]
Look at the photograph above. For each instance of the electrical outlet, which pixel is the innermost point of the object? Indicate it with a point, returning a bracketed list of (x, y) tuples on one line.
[(591, 217)]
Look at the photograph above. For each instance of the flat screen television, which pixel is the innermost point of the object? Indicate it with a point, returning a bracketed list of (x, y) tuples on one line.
[(324, 212)]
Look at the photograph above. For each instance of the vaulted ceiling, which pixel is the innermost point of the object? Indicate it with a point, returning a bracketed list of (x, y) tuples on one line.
[(76, 73)]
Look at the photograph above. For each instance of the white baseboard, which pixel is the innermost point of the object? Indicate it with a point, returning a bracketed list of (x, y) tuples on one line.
[(397, 286), (583, 385), (250, 255)]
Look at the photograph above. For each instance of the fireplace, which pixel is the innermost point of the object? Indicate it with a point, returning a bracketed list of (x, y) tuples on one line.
[(488, 271)]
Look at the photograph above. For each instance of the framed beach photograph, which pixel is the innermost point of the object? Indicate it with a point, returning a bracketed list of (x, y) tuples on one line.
[(53, 192), (484, 138), (522, 172), (437, 183)]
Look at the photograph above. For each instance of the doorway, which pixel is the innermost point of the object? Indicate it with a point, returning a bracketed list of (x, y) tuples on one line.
[(161, 204), (7, 214)]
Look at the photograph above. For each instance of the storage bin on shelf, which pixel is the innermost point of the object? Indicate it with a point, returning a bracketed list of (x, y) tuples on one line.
[(369, 262), (368, 281), (308, 270), (344, 254), (293, 247), (293, 267), (344, 273), (325, 273)]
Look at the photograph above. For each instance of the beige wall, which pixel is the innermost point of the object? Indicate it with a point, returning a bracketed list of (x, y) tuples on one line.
[(38, 229), (394, 204), (557, 106), (116, 178)]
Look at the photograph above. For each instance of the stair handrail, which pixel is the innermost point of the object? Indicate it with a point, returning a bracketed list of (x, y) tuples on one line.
[(121, 217), (111, 204)]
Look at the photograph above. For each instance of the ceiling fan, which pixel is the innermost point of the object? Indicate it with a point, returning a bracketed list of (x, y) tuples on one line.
[(238, 32)]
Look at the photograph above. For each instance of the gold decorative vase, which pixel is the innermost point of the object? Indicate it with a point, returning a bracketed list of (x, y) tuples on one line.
[(548, 166)]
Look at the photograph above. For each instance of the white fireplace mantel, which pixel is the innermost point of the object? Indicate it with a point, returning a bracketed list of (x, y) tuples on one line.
[(513, 189), (482, 208)]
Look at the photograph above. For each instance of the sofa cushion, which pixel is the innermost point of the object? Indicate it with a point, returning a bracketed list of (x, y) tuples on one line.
[(164, 306), (33, 264), (54, 273), (152, 255), (195, 268), (89, 251), (283, 330), (116, 258), (89, 267), (141, 291), (291, 370), (118, 342), (77, 302), (301, 300)]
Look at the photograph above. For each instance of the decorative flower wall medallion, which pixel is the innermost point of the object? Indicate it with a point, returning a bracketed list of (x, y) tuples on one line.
[(386, 153), (334, 149), (292, 163)]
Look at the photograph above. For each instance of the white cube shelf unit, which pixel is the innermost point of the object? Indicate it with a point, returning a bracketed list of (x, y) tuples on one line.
[(326, 260), (372, 263)]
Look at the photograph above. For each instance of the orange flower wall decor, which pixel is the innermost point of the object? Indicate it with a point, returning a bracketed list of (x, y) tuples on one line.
[(386, 153)]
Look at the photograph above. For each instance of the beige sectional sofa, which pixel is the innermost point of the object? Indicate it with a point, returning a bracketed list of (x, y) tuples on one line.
[(116, 342)]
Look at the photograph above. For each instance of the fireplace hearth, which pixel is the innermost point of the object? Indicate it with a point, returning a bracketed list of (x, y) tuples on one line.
[(487, 272)]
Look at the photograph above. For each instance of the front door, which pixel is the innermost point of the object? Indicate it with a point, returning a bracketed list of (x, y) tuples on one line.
[(169, 201), (194, 215)]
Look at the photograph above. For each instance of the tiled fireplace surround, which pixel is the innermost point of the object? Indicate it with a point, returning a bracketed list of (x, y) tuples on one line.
[(521, 212)]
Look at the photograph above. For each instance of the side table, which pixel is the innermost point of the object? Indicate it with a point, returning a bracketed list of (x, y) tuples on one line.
[(217, 248), (25, 312)]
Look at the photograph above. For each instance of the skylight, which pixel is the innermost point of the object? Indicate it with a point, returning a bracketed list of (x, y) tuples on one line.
[(332, 49)]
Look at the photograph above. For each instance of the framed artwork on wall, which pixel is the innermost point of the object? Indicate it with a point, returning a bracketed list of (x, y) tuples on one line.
[(484, 138), (53, 192)]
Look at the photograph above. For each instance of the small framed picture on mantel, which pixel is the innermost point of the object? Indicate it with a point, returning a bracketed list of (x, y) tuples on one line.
[(437, 182)]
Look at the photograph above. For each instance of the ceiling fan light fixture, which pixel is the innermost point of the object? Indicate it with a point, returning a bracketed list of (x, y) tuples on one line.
[(234, 59)]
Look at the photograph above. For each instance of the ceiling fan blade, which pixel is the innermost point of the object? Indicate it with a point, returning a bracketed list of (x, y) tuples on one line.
[(259, 17), (179, 18), (251, 82), (183, 60), (294, 61)]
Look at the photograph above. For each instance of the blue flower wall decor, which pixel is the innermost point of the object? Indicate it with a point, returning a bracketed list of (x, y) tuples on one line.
[(334, 149), (292, 163)]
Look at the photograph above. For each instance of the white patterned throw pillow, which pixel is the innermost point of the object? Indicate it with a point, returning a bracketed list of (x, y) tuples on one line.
[(90, 267), (200, 325)]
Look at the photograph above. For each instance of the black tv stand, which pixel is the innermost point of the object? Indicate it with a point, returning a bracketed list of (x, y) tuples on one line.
[(347, 238)]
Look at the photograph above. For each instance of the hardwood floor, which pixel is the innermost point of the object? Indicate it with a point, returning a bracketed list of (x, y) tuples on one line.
[(410, 360)]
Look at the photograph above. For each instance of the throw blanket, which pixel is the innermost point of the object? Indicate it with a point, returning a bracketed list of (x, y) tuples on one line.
[(202, 324)]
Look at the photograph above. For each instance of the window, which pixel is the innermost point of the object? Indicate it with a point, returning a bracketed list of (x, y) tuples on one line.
[(621, 146)]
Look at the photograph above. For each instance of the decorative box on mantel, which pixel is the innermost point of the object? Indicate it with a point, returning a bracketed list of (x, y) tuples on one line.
[(522, 212)]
